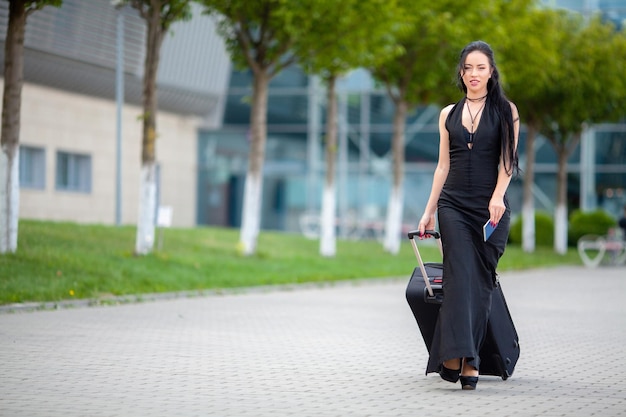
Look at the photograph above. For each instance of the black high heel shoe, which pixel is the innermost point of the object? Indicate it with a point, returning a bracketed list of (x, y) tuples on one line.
[(468, 382), (450, 375)]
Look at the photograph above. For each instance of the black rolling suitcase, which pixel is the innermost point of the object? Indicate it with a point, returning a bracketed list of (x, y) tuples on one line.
[(499, 352)]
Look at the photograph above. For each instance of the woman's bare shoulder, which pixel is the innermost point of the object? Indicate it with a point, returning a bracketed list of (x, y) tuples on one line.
[(446, 110)]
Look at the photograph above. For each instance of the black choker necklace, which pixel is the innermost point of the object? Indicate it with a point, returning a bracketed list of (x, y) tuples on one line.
[(474, 100)]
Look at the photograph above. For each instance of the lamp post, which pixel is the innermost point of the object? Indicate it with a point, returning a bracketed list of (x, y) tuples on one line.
[(119, 99)]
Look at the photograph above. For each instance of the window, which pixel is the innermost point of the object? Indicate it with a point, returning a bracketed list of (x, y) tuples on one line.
[(73, 172), (32, 165)]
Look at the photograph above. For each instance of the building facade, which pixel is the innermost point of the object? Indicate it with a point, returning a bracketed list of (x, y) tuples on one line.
[(80, 146)]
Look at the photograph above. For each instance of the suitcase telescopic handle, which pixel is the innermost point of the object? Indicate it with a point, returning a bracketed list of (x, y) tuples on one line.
[(427, 233)]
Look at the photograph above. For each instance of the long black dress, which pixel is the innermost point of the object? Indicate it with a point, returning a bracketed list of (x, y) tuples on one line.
[(469, 263)]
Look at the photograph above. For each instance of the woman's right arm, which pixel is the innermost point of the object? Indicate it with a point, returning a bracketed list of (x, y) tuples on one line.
[(441, 173)]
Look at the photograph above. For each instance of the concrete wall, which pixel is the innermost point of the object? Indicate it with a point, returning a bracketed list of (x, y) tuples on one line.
[(60, 121)]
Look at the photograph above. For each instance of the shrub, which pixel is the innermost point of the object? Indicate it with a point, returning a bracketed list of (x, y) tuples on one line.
[(544, 230), (581, 223)]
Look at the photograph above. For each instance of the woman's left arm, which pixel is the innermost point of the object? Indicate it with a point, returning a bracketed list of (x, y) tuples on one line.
[(496, 205)]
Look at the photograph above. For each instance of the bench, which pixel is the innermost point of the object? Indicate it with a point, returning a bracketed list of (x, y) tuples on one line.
[(594, 249)]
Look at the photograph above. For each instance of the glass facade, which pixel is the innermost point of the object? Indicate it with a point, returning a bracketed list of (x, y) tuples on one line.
[(294, 161)]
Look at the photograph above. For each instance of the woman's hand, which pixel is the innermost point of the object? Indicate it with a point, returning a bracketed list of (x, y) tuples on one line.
[(426, 223), (496, 209)]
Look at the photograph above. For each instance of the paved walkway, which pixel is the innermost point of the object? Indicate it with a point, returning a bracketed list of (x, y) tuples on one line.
[(342, 350)]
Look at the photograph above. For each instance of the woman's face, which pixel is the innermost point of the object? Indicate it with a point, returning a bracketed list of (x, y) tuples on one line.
[(476, 72)]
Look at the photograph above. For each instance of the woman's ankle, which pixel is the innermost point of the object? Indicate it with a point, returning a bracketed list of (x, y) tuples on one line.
[(453, 364), (468, 370)]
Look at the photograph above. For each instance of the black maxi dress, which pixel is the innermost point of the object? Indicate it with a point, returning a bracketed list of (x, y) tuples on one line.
[(469, 263)]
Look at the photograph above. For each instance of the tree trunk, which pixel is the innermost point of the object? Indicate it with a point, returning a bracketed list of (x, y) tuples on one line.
[(329, 205), (395, 207), (253, 191), (10, 135), (148, 185), (528, 204), (147, 209), (560, 217)]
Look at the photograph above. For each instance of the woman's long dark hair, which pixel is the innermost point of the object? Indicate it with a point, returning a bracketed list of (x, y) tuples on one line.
[(500, 103)]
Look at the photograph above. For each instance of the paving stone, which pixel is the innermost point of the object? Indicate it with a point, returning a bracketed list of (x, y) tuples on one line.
[(348, 349)]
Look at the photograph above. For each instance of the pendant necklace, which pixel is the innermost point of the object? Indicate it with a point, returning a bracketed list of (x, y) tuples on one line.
[(470, 141)]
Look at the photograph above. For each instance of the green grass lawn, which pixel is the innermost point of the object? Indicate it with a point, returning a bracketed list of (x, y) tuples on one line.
[(59, 261)]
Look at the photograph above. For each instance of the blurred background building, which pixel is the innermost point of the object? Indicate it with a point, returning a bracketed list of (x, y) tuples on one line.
[(69, 138), (70, 159)]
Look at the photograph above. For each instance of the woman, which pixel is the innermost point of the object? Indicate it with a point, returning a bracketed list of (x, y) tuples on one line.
[(477, 158)]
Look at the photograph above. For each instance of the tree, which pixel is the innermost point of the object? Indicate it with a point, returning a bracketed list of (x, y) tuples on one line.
[(259, 35), (159, 16), (421, 75), (529, 58), (343, 36), (19, 10), (589, 88)]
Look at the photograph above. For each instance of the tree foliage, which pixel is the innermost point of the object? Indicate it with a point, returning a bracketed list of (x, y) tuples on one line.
[(260, 34), (162, 12), (425, 72), (350, 34), (33, 5), (589, 85)]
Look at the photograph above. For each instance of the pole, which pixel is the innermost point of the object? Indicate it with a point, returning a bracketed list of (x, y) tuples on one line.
[(313, 153), (119, 98), (342, 167), (588, 198)]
